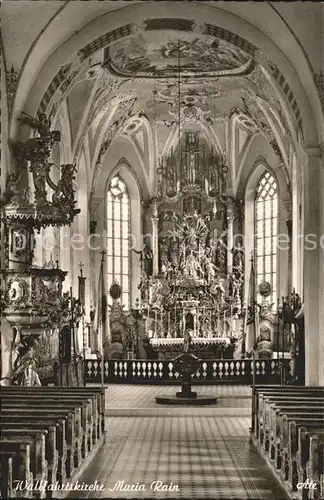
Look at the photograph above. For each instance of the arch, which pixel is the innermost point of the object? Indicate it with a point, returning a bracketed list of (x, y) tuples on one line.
[(235, 18), (111, 158)]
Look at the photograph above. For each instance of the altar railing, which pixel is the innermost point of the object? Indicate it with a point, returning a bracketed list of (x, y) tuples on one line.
[(267, 371)]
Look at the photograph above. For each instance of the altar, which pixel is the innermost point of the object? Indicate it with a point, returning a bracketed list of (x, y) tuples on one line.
[(192, 270)]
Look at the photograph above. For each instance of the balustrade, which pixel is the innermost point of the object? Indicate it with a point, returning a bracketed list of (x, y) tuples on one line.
[(162, 371)]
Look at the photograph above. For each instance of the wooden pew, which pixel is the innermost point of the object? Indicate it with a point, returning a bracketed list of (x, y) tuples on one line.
[(81, 428), (38, 463), (61, 444), (280, 415), (6, 474), (51, 453), (73, 420), (279, 390), (21, 451), (97, 396), (265, 400), (66, 465), (310, 456)]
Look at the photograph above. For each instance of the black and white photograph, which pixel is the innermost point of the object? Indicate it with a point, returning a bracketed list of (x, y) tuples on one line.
[(162, 250)]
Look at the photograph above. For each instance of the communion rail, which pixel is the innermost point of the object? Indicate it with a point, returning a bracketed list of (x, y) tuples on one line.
[(213, 371)]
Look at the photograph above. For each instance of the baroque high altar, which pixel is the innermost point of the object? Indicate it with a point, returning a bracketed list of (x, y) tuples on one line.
[(192, 275)]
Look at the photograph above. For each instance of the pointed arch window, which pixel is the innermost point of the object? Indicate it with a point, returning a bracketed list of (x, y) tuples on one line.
[(266, 231), (118, 232)]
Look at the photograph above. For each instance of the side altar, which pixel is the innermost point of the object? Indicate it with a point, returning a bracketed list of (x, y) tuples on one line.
[(192, 272)]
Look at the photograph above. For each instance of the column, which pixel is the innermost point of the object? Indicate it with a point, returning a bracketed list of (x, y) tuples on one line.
[(321, 274), (312, 270), (155, 240), (230, 220)]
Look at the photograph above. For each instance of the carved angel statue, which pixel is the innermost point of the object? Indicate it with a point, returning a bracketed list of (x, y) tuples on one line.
[(41, 125), (211, 270)]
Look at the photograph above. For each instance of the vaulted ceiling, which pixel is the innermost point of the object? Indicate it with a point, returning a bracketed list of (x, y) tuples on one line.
[(144, 77)]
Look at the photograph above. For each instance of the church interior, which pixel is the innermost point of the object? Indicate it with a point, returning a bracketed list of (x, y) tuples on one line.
[(162, 228)]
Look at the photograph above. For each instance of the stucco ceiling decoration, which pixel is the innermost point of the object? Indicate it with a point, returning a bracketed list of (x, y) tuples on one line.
[(155, 55)]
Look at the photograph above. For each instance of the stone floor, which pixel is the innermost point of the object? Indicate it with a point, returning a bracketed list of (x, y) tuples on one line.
[(192, 452)]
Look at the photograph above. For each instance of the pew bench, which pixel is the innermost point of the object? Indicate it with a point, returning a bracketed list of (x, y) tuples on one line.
[(288, 429), (72, 421), (20, 449), (38, 463), (6, 474)]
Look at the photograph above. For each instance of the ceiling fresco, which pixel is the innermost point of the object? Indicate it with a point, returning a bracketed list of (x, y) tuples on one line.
[(167, 54)]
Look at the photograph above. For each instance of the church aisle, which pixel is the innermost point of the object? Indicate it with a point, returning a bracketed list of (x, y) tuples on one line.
[(200, 454)]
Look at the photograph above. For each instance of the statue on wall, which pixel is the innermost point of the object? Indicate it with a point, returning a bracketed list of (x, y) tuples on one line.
[(146, 259), (164, 254), (174, 252), (221, 254), (238, 259), (171, 175)]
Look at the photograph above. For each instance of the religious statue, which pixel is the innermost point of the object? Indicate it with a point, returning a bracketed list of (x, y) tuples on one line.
[(39, 178), (238, 259), (164, 260), (24, 370), (156, 293), (146, 259), (192, 267), (210, 270), (144, 286), (235, 285), (221, 254), (171, 185), (41, 125), (191, 169), (218, 289), (174, 253)]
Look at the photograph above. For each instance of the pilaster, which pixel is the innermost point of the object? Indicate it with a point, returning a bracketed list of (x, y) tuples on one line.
[(312, 271)]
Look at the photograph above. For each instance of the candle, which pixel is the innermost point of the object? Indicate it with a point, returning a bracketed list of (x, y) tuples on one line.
[(155, 325)]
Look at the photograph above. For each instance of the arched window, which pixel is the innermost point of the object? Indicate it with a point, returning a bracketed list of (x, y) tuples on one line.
[(118, 231), (266, 230)]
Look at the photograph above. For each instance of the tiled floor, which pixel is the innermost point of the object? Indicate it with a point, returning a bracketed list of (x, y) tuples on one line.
[(197, 451)]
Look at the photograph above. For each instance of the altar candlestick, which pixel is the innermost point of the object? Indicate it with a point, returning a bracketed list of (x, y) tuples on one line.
[(155, 326), (224, 325)]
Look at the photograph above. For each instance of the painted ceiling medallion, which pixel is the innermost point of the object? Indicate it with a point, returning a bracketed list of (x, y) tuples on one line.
[(152, 55)]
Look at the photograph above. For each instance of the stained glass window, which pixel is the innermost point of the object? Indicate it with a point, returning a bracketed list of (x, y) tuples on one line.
[(118, 231), (266, 231)]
